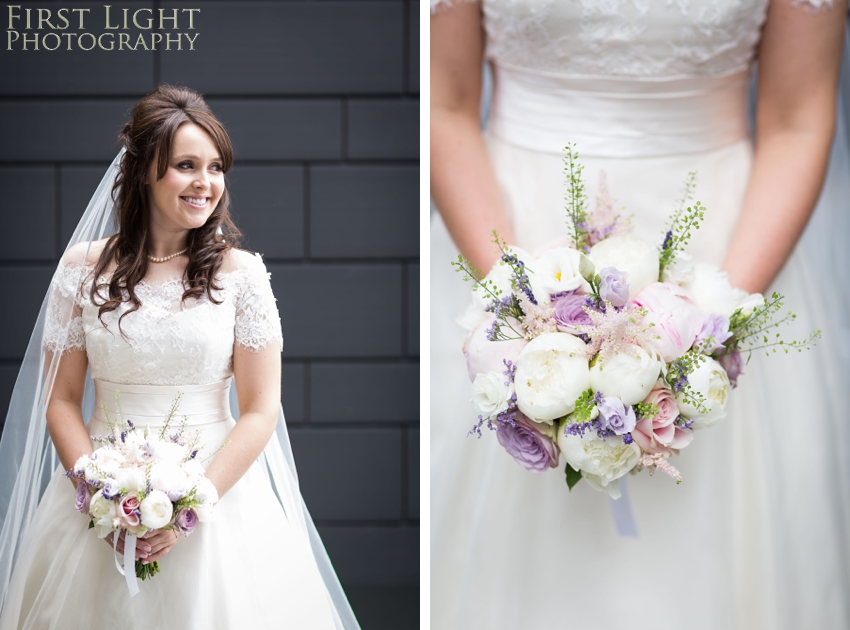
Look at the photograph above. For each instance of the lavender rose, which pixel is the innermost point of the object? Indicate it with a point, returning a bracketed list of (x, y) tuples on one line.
[(186, 521), (569, 312), (531, 449), (614, 415), (734, 366), (81, 502), (614, 287), (716, 327)]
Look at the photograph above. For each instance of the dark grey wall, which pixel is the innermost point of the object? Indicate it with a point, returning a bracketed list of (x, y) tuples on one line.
[(321, 101)]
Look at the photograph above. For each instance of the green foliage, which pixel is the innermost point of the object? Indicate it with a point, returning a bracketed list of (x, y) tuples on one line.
[(576, 197), (583, 408), (677, 377), (145, 571), (91, 523), (573, 476), (749, 332), (683, 220), (644, 410)]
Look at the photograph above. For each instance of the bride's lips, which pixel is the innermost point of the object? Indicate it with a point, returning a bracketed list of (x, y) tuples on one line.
[(194, 205)]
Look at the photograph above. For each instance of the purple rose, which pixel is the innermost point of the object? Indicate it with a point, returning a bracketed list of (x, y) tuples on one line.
[(716, 327), (569, 312), (531, 449), (81, 502), (614, 415), (613, 286), (734, 366), (186, 521)]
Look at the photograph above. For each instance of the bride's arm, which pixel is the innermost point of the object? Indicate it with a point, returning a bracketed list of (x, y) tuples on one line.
[(257, 376), (463, 184), (64, 409), (799, 58)]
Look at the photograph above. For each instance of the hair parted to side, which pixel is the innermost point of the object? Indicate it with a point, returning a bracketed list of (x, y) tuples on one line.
[(147, 138)]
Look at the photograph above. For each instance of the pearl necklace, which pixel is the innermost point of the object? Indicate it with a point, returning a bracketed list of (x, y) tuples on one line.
[(165, 258)]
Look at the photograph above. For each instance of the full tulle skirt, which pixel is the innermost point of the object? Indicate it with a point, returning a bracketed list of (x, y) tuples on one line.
[(756, 536), (248, 568)]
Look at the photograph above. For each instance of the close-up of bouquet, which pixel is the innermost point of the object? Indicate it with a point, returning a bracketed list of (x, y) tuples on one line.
[(144, 479), (606, 349)]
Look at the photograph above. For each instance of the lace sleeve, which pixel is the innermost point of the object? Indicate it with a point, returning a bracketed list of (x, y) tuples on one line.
[(257, 319), (63, 322)]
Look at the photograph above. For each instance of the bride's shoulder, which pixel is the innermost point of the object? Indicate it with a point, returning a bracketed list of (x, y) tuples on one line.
[(241, 260), (84, 253)]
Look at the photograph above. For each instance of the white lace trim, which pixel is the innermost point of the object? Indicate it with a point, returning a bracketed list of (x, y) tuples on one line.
[(166, 341)]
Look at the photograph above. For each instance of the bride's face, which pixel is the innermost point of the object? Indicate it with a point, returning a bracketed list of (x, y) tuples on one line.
[(192, 185)]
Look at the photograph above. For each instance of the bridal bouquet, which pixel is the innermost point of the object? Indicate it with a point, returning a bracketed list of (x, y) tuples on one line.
[(606, 349), (141, 480)]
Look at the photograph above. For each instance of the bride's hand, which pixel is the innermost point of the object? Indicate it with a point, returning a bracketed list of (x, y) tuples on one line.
[(143, 547), (159, 542)]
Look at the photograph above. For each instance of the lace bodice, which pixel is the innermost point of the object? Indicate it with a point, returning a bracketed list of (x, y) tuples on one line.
[(165, 342), (627, 38)]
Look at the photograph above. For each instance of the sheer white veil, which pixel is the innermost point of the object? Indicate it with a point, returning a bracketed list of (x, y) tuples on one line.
[(28, 458)]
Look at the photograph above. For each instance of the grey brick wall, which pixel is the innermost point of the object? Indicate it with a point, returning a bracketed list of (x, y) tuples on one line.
[(321, 101)]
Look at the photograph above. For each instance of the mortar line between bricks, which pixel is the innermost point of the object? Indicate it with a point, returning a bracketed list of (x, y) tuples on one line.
[(57, 210), (405, 473), (405, 42), (308, 202)]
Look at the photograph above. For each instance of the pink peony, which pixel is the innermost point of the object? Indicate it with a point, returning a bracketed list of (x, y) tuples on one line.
[(677, 319), (659, 435), (483, 355)]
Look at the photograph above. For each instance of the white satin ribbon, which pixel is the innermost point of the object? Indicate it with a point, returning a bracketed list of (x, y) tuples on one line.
[(621, 512), (129, 568)]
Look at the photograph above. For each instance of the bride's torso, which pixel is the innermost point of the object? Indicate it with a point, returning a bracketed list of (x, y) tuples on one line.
[(167, 340)]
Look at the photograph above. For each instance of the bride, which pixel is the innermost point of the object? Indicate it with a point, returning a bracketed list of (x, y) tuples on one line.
[(164, 305), (757, 536)]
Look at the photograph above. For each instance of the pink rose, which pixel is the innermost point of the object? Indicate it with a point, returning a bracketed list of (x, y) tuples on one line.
[(483, 355), (677, 319), (660, 434), (128, 512)]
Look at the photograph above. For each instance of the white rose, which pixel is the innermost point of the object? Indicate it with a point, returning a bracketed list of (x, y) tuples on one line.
[(710, 380), (559, 271), (631, 255), (602, 462), (551, 374), (156, 510), (130, 479), (711, 291), (473, 315), (207, 496), (171, 479), (105, 525), (629, 375), (81, 464), (680, 270), (193, 468), (748, 302), (490, 394)]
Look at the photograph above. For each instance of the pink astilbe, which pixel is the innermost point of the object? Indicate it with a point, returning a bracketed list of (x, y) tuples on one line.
[(605, 221), (615, 331), (538, 319), (657, 462)]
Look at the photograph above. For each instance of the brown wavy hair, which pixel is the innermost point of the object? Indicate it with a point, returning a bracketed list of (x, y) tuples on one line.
[(147, 138)]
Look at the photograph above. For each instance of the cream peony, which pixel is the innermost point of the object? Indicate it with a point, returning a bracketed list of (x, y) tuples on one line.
[(491, 393), (748, 302), (551, 374), (156, 510), (171, 478), (602, 462), (207, 495), (629, 375), (103, 512), (711, 292), (483, 355), (631, 255), (710, 380), (131, 480), (680, 270), (559, 271)]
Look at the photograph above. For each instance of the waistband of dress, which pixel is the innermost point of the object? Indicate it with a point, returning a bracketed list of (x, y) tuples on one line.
[(618, 117), (151, 404)]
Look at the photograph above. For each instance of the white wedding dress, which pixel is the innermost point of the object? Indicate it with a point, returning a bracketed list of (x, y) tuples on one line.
[(757, 535), (250, 567)]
